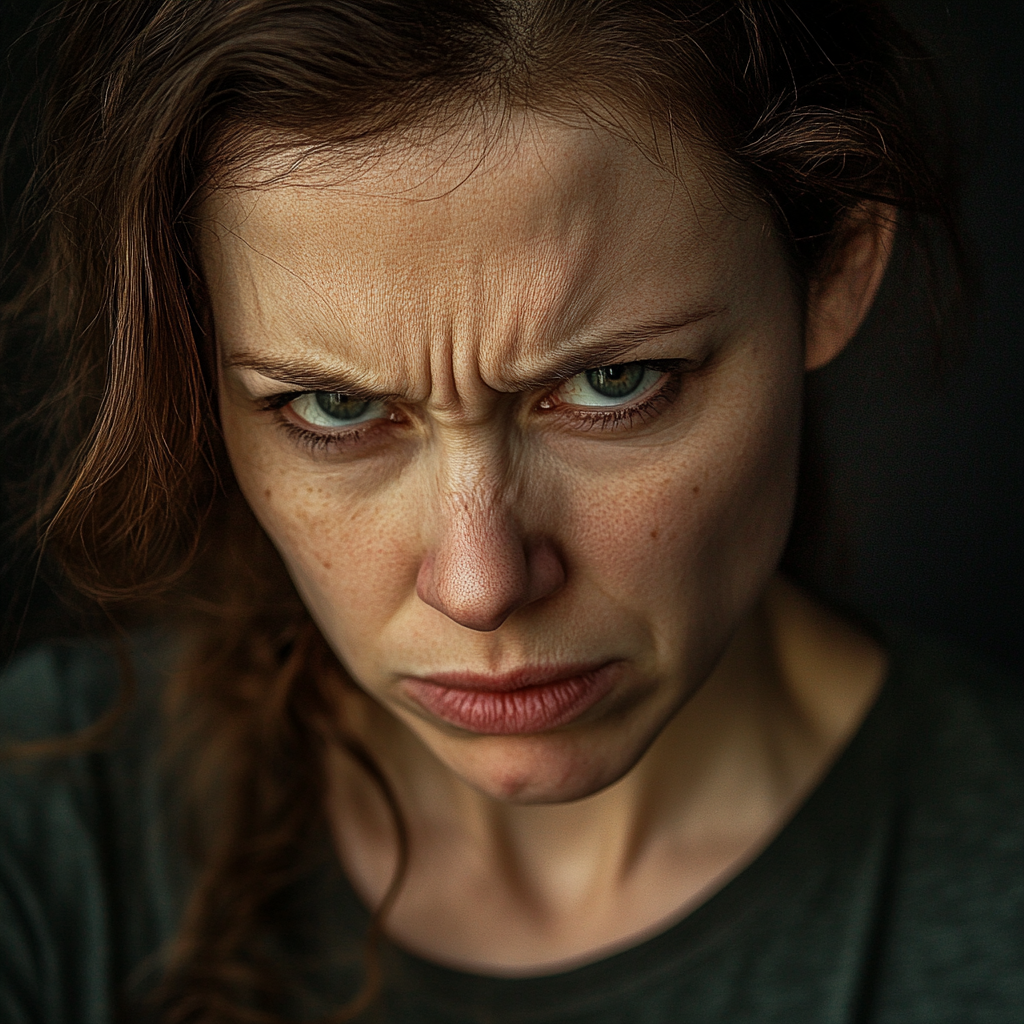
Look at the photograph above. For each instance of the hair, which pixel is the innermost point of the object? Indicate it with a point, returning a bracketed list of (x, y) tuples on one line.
[(813, 107)]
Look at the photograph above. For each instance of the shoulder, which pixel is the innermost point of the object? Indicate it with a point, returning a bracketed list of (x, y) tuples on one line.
[(55, 689), (54, 692), (952, 931), (85, 886), (962, 726)]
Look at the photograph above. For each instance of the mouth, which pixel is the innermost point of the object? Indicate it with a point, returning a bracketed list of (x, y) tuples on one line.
[(517, 704)]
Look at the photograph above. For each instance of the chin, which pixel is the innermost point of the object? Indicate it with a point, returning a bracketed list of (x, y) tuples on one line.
[(550, 769)]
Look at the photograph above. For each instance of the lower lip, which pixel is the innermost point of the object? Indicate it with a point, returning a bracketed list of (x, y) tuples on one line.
[(528, 709)]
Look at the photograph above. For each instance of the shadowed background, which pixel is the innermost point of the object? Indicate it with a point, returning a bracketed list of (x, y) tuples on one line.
[(924, 464)]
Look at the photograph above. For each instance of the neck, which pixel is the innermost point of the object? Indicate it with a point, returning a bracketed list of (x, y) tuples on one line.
[(718, 782)]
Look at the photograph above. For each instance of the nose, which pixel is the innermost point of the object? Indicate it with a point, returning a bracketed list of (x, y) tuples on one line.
[(482, 568)]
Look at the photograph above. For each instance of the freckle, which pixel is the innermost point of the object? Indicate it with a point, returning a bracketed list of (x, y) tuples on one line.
[(266, 494), (654, 534), (326, 564), (696, 488)]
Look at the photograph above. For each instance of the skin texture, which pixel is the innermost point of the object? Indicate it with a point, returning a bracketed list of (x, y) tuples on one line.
[(483, 520)]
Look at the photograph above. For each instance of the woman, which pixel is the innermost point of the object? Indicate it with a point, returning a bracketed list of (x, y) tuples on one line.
[(492, 318)]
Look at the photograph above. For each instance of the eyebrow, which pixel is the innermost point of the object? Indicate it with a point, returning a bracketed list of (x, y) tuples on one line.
[(603, 348), (606, 348), (309, 376)]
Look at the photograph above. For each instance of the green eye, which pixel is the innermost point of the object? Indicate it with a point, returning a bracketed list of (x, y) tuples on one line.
[(333, 409), (616, 381), (340, 407), (610, 385)]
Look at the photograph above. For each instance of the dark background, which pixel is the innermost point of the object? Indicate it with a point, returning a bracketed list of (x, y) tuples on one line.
[(927, 472), (925, 467)]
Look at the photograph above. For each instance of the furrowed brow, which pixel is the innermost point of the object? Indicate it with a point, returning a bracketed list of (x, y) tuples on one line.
[(309, 376), (606, 348), (602, 348)]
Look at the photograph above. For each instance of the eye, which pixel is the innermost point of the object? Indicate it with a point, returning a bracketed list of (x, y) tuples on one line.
[(610, 385), (327, 409)]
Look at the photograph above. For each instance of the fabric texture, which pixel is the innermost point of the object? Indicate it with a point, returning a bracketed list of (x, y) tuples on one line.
[(895, 895)]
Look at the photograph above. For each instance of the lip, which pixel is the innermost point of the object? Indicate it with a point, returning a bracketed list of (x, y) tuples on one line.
[(529, 700)]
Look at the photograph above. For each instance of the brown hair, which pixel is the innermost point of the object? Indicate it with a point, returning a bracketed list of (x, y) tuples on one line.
[(813, 107)]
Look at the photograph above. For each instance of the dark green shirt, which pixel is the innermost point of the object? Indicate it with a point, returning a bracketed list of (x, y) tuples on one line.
[(893, 896)]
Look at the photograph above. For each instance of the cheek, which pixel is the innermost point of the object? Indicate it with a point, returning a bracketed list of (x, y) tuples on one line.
[(353, 556), (701, 521), (342, 550), (624, 527)]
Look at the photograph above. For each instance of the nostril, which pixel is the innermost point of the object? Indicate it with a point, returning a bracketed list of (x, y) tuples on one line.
[(546, 571), (480, 589)]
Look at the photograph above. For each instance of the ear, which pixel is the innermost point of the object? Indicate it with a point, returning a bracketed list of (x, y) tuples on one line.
[(839, 299)]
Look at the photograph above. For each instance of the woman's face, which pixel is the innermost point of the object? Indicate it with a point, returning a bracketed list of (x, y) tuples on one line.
[(522, 420)]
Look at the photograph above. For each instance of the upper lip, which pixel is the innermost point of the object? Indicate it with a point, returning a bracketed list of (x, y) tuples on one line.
[(518, 679)]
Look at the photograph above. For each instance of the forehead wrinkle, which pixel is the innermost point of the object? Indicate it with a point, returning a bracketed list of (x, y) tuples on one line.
[(492, 298), (492, 314), (480, 293), (552, 299), (360, 339), (294, 346), (250, 269), (533, 315)]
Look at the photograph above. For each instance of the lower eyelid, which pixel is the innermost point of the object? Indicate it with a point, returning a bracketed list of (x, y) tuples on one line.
[(321, 440), (611, 417)]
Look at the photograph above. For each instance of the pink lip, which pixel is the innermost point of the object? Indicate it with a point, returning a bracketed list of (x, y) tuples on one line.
[(527, 701)]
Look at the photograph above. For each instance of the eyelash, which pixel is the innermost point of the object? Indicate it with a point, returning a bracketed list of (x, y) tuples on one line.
[(665, 392), (313, 440), (643, 411), (317, 442)]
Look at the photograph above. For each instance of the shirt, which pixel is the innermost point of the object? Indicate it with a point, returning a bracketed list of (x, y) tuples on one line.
[(894, 895)]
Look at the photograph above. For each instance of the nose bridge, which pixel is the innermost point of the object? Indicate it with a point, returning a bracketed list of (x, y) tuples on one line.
[(475, 481), (481, 562), (479, 551), (474, 453)]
